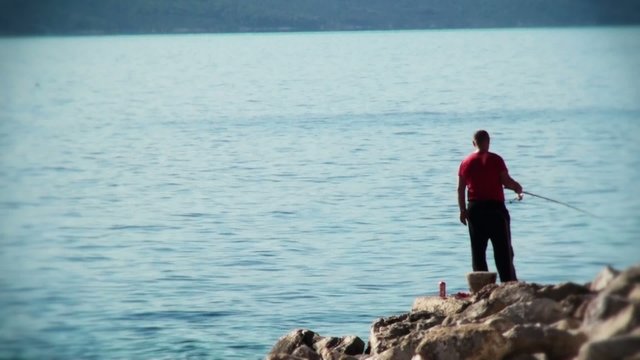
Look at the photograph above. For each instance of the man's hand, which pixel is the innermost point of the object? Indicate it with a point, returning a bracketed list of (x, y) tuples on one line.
[(462, 188), (518, 189)]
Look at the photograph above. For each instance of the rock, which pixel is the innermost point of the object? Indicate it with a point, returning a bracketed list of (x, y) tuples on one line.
[(562, 291), (511, 321), (485, 292), (470, 342), (573, 297), (576, 305), (499, 323), (483, 309), (621, 323), (327, 354), (439, 306), (623, 284), (305, 352), (305, 344), (603, 279), (614, 311), (348, 345), (513, 292), (479, 279), (603, 307), (389, 332), (545, 311), (615, 348), (351, 345), (538, 356), (326, 342), (296, 338), (284, 357), (567, 324), (405, 350), (555, 343), (634, 294)]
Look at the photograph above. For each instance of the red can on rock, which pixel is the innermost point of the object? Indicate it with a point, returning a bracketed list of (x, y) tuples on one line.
[(443, 289)]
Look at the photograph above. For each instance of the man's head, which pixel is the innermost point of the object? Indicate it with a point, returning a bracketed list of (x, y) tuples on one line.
[(481, 140)]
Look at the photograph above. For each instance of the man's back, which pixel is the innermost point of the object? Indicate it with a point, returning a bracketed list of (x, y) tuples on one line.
[(481, 171)]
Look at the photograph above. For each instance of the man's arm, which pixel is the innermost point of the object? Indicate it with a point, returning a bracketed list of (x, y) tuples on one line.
[(509, 183), (462, 187)]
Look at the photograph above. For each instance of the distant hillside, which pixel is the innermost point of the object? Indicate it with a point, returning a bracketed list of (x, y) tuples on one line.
[(176, 16)]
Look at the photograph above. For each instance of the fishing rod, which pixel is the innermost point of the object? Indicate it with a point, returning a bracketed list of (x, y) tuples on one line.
[(556, 202)]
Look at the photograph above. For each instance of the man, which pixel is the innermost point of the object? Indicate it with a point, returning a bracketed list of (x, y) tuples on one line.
[(483, 174)]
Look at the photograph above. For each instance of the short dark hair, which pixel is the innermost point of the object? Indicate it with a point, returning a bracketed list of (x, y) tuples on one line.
[(481, 136)]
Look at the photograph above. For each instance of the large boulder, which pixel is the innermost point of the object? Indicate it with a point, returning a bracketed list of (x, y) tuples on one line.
[(623, 322), (390, 332), (619, 347), (287, 357), (499, 323), (562, 291), (485, 292), (439, 306), (615, 310), (288, 343), (348, 345), (334, 355), (404, 350), (470, 342), (612, 318), (603, 307), (603, 279), (305, 352), (480, 310), (567, 324), (513, 292), (306, 344), (538, 356), (634, 294), (544, 311), (536, 338), (512, 321), (623, 284), (575, 305), (519, 303)]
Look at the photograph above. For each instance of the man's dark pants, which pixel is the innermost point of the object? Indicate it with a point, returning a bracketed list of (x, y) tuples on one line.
[(490, 220)]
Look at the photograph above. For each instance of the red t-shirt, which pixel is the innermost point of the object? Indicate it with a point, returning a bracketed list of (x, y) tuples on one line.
[(481, 171)]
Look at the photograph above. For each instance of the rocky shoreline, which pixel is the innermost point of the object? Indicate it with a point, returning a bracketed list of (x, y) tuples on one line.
[(513, 321)]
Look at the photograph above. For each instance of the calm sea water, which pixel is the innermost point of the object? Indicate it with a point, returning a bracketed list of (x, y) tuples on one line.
[(166, 197)]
